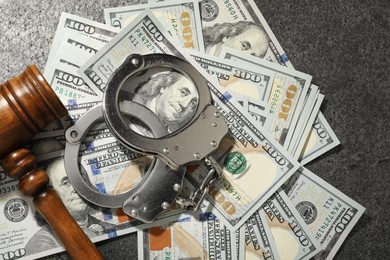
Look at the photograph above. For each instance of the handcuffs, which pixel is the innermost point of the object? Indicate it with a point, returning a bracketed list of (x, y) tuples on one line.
[(161, 186)]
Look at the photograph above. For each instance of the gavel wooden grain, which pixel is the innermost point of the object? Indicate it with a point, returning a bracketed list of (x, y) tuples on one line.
[(27, 106)]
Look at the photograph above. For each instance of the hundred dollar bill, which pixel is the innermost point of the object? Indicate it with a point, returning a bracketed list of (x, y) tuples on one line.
[(292, 237), (329, 213), (74, 93), (183, 16), (304, 115), (304, 135), (240, 25), (195, 236), (321, 139), (73, 23), (246, 153), (256, 241), (286, 97)]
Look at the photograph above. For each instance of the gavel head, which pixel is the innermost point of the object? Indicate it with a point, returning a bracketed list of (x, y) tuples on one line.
[(27, 106)]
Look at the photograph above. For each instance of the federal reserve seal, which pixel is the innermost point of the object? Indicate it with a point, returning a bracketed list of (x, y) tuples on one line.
[(16, 210), (308, 211), (235, 163), (209, 10)]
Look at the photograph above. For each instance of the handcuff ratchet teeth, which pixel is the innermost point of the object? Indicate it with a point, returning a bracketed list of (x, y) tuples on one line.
[(161, 185)]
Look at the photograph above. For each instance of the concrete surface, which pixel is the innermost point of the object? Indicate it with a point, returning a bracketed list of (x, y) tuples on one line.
[(344, 44)]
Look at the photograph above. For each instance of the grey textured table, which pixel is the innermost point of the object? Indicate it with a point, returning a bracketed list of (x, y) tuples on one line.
[(343, 44)]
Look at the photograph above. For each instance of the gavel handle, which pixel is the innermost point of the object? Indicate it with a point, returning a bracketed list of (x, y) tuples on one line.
[(77, 243), (20, 165)]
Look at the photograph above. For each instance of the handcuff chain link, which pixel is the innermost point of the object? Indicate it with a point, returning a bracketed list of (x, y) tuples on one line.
[(197, 197)]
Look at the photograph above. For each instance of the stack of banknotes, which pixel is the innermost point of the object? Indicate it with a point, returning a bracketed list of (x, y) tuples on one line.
[(268, 207)]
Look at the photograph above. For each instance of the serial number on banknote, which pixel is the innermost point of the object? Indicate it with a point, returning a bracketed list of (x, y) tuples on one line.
[(8, 189)]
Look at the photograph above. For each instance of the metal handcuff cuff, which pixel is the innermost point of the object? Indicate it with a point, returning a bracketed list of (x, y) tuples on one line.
[(162, 184)]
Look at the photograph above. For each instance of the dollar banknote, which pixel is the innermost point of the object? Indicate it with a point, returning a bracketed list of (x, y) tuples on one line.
[(287, 96), (309, 104), (71, 89), (182, 16), (72, 23), (256, 241), (292, 237), (195, 236), (321, 139), (329, 214), (305, 132), (239, 24)]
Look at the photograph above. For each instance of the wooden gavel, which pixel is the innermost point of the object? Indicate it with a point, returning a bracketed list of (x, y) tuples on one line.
[(27, 106)]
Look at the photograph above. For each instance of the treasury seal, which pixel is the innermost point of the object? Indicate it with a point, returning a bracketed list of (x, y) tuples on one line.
[(235, 163), (16, 210), (209, 10), (308, 211)]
